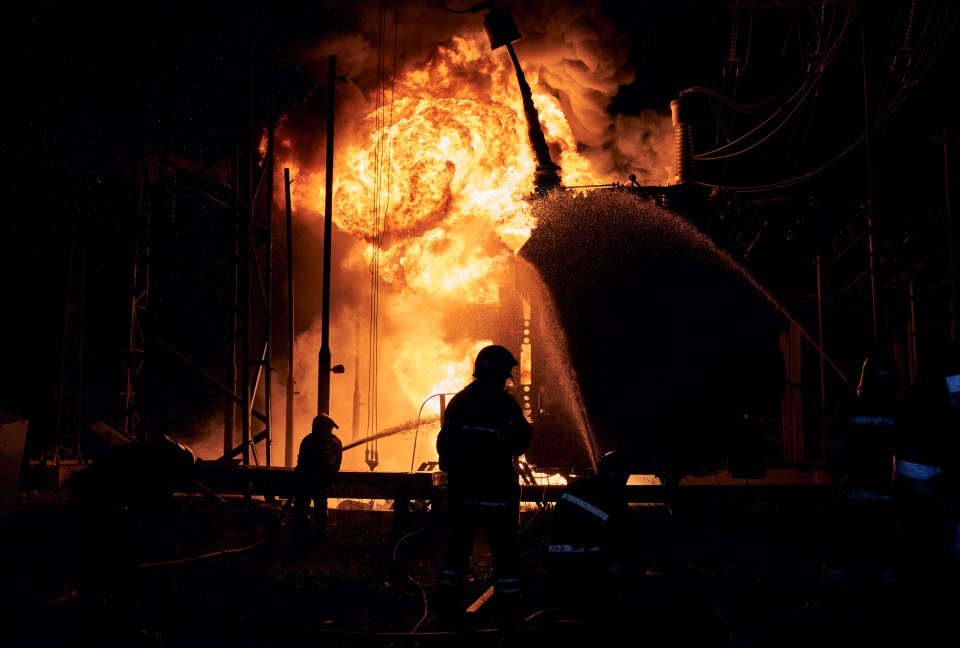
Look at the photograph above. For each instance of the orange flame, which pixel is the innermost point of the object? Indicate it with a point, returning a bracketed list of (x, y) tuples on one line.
[(433, 187)]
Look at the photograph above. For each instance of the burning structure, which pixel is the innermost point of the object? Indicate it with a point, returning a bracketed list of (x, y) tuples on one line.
[(467, 208)]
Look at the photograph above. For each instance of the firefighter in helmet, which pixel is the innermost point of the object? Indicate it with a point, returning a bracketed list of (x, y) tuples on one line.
[(484, 429), (587, 552), (318, 464)]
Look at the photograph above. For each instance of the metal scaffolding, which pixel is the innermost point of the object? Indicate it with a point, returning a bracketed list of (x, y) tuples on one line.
[(200, 307)]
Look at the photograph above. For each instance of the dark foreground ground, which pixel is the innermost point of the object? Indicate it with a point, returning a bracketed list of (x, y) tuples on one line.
[(725, 575)]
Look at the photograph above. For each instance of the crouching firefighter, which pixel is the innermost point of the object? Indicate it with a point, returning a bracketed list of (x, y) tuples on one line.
[(483, 430), (587, 553)]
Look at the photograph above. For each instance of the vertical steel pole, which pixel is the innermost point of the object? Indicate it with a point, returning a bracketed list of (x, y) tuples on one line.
[(323, 376), (288, 453), (871, 234), (823, 387), (951, 242)]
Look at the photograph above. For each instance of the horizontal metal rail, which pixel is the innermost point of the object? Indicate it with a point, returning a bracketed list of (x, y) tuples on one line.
[(225, 478)]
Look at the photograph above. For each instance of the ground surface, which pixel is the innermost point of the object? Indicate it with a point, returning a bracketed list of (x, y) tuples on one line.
[(228, 575)]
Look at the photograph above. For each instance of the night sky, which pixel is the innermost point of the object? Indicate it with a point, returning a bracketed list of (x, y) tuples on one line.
[(84, 83)]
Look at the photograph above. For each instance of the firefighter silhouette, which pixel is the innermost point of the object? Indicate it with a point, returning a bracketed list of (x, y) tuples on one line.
[(483, 430), (318, 463), (588, 557), (865, 428)]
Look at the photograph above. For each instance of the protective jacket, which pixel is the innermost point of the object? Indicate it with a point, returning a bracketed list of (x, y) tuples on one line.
[(318, 463), (864, 539), (869, 428), (321, 454), (483, 430), (589, 525)]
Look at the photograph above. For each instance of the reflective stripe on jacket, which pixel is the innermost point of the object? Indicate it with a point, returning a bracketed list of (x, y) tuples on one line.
[(483, 430)]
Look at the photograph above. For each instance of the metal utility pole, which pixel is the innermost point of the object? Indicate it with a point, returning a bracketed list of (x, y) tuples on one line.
[(871, 234), (66, 444), (502, 31), (951, 243), (288, 454), (323, 376), (823, 377), (355, 433)]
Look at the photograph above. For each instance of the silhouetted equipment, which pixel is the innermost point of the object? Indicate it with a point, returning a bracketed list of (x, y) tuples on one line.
[(502, 31), (323, 376), (668, 339), (683, 145), (291, 326)]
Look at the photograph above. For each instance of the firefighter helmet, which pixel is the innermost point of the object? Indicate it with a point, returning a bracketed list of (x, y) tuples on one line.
[(494, 360), (323, 423), (615, 464)]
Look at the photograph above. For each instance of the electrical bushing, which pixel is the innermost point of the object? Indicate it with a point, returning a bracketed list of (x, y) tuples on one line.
[(682, 145)]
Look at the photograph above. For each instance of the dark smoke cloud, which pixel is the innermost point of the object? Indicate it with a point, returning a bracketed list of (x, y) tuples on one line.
[(575, 51)]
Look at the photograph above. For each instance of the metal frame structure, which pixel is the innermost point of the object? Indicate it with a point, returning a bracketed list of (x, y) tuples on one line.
[(200, 316)]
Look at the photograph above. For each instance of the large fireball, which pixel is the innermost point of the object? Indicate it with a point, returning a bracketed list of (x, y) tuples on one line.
[(446, 198)]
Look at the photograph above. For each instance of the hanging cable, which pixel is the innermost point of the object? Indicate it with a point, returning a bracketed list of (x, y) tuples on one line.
[(782, 114), (383, 111), (934, 36)]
